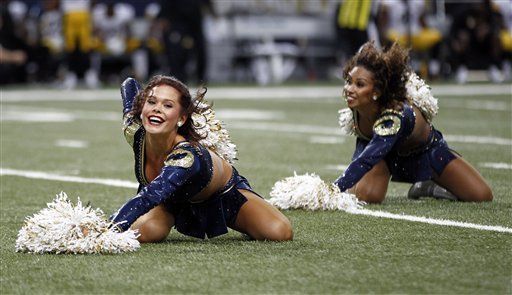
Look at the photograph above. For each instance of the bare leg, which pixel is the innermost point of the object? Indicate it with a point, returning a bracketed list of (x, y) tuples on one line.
[(373, 186), (262, 221), (155, 225), (461, 179)]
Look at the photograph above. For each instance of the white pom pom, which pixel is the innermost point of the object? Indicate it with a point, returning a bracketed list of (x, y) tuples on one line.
[(420, 95), (310, 192), (346, 121), (216, 137), (65, 228)]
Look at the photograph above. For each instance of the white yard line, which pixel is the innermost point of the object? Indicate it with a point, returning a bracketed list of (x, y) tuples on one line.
[(27, 114), (490, 165), (65, 178), (327, 139), (477, 139), (284, 127), (340, 168), (71, 143), (444, 222), (474, 104), (129, 184), (505, 166), (53, 115), (322, 130)]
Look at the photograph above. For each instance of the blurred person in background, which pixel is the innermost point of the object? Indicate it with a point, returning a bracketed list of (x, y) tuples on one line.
[(405, 22), (147, 51), (181, 22), (505, 10), (24, 58), (354, 25), (13, 50), (474, 39), (51, 37), (395, 137), (111, 32), (78, 42)]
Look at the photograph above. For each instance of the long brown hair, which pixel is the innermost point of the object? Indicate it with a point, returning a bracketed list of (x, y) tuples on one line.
[(188, 104), (389, 68)]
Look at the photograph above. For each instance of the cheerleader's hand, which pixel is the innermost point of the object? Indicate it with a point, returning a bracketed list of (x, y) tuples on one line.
[(129, 89)]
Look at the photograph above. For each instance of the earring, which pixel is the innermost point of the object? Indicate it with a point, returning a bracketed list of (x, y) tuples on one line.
[(180, 123), (374, 97), (140, 116)]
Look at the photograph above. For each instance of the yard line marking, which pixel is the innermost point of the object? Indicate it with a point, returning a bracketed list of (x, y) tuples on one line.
[(280, 127), (17, 114), (340, 167), (496, 165), (248, 114), (65, 178), (14, 113), (321, 130), (447, 137), (472, 104), (28, 116), (24, 114), (428, 220), (71, 143), (505, 166), (129, 184), (244, 93), (478, 139), (327, 139), (488, 105)]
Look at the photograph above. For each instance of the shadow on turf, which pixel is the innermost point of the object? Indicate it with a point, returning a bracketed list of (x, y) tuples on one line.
[(180, 239)]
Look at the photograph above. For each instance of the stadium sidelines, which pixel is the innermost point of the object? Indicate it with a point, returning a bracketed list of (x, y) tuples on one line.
[(366, 212)]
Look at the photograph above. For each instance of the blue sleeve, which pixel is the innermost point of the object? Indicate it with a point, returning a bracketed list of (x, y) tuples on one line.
[(360, 145), (384, 139), (162, 188), (129, 90)]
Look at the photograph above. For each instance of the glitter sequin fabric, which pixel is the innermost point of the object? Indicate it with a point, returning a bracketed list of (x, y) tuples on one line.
[(417, 165)]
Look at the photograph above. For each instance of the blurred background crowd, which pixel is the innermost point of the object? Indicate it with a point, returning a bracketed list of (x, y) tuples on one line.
[(90, 43)]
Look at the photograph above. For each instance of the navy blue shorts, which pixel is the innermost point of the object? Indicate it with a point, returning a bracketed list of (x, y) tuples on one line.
[(212, 217), (423, 164)]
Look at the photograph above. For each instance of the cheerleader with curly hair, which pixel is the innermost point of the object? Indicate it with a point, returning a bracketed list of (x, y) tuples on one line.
[(395, 137)]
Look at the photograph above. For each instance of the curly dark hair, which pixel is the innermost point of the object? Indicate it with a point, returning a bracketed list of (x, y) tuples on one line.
[(188, 104), (389, 68)]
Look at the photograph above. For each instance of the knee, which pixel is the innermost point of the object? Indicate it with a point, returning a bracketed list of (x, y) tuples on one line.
[(153, 231), (370, 195), (280, 231), (482, 194)]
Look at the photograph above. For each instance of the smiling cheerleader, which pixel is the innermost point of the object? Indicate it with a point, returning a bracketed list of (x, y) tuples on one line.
[(183, 164)]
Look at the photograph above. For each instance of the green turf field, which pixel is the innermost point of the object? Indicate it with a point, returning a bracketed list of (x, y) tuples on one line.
[(61, 133)]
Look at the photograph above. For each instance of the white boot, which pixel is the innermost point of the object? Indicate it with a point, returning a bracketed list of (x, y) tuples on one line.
[(495, 74), (91, 79), (462, 75), (70, 81)]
